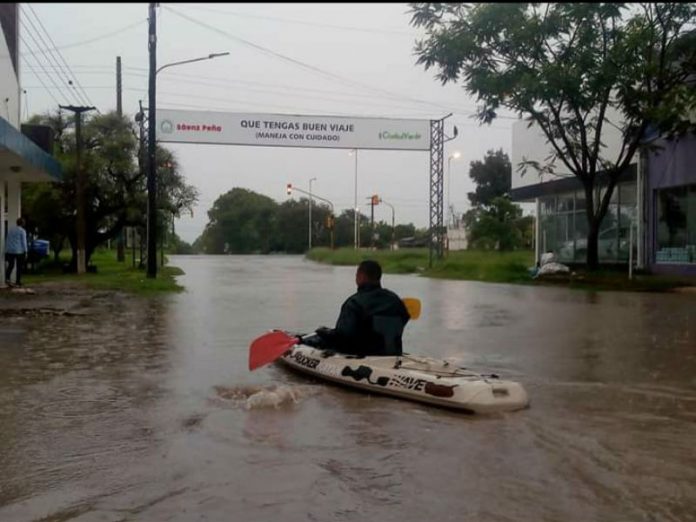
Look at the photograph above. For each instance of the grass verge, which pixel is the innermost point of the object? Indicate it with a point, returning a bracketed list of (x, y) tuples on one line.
[(110, 275), (497, 267)]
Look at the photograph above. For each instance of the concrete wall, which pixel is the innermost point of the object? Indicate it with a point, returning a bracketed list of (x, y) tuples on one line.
[(456, 239), (10, 104), (10, 99)]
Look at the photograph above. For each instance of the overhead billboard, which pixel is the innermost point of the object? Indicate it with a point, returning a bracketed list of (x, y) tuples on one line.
[(285, 130)]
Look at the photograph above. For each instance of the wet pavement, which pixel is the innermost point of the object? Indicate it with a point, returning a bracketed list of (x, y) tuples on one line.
[(143, 409)]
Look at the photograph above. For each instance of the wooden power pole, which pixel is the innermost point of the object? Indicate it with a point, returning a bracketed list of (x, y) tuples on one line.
[(81, 229)]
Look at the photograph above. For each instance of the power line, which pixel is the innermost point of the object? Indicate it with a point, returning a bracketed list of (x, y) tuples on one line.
[(224, 83), (299, 63), (301, 22), (91, 40), (77, 81), (299, 95), (222, 109), (314, 68), (47, 89), (58, 88), (59, 71)]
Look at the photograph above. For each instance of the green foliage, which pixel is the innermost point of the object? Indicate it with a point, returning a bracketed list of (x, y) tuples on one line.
[(243, 222), (495, 267), (112, 275), (568, 68), (494, 222), (115, 186), (467, 264), (495, 227), (178, 246), (493, 177)]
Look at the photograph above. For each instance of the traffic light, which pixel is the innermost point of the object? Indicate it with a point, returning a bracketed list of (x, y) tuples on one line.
[(289, 189), (375, 199), (330, 222)]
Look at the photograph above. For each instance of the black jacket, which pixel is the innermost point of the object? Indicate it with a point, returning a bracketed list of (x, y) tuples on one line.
[(371, 322)]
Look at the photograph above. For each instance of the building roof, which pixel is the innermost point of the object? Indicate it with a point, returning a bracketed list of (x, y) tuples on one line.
[(22, 156)]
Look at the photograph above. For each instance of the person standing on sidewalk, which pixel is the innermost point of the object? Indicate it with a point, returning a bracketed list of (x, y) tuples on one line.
[(15, 251)]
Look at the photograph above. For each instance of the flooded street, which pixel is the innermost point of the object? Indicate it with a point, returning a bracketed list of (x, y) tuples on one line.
[(140, 411)]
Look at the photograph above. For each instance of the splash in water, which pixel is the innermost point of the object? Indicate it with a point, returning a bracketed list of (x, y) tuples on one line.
[(258, 397)]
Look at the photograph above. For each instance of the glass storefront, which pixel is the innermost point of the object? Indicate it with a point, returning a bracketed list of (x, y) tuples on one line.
[(676, 225), (563, 225)]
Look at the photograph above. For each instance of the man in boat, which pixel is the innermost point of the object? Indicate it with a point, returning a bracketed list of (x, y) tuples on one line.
[(371, 321)]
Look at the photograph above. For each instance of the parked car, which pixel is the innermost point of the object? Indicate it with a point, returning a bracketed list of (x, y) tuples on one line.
[(606, 246), (413, 242), (38, 249)]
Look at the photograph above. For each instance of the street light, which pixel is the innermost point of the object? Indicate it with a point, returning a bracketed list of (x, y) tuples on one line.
[(152, 121), (209, 57), (356, 230), (310, 212), (393, 229), (454, 155)]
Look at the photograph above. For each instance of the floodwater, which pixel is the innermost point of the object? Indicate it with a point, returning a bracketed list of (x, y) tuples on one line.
[(145, 410)]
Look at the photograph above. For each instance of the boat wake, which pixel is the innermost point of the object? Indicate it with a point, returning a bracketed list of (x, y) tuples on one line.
[(253, 397)]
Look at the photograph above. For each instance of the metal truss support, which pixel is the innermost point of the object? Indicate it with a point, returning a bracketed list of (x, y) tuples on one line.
[(437, 152)]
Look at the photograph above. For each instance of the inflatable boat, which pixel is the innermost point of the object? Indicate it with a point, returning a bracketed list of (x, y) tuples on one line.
[(416, 378)]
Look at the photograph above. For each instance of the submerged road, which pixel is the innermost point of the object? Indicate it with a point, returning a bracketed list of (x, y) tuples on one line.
[(144, 410)]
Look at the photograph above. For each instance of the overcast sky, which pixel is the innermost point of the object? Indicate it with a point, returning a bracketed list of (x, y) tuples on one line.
[(369, 44)]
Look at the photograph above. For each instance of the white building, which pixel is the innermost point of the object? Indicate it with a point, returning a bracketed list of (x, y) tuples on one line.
[(21, 160)]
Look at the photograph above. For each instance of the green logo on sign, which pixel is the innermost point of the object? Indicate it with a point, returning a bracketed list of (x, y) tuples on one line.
[(167, 127), (399, 136)]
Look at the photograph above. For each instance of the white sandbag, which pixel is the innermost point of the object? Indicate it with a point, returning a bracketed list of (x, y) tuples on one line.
[(553, 268), (548, 257)]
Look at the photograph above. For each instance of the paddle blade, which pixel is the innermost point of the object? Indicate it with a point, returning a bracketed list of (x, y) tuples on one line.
[(413, 306), (269, 347)]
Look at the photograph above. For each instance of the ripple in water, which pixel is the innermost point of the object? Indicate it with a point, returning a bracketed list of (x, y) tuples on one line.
[(251, 397)]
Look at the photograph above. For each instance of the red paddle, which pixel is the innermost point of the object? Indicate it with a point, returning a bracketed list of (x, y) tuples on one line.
[(269, 347)]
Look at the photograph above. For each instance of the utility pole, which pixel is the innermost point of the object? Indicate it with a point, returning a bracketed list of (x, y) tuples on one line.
[(374, 200), (152, 166), (120, 249), (119, 88), (356, 224), (140, 118), (81, 229), (393, 241), (310, 212)]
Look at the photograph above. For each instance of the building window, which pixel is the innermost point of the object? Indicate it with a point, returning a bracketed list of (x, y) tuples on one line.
[(676, 225), (563, 225)]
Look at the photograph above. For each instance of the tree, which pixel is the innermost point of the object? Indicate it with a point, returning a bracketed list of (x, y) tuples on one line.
[(493, 177), (291, 231), (178, 246), (497, 226), (39, 204), (494, 222), (567, 68), (115, 186), (241, 222)]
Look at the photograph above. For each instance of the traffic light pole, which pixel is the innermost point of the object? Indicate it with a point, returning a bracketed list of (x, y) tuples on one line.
[(290, 187), (372, 222)]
